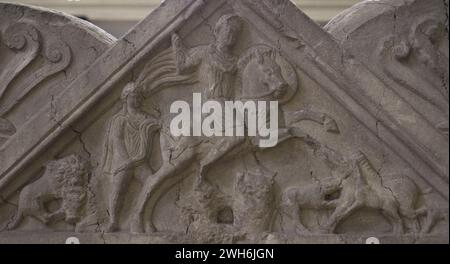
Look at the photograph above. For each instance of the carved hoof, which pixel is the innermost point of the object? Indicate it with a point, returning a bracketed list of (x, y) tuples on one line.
[(324, 231), (150, 228), (136, 227), (46, 219), (111, 228), (72, 220), (398, 232), (301, 230), (330, 125)]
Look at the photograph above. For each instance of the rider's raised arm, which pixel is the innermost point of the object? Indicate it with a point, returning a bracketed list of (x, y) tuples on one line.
[(186, 60)]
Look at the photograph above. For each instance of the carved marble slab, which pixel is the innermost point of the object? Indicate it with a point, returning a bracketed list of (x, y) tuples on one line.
[(86, 148)]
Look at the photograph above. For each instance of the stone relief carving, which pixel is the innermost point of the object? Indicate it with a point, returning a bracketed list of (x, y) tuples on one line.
[(26, 42), (355, 185), (405, 95), (260, 198), (245, 215), (37, 49), (218, 59), (19, 37), (210, 217), (416, 63), (249, 213), (258, 67), (65, 180), (254, 204), (314, 196), (364, 188), (7, 129), (128, 145), (273, 11), (220, 66)]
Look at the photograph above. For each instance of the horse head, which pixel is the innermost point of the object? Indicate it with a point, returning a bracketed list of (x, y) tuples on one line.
[(261, 75)]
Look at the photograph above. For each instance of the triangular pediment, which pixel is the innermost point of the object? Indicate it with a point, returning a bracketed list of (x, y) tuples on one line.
[(328, 88)]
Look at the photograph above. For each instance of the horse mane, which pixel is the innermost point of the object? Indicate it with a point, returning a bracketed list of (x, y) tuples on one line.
[(161, 72), (258, 52)]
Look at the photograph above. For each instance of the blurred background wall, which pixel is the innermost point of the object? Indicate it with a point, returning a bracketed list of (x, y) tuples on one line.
[(118, 16)]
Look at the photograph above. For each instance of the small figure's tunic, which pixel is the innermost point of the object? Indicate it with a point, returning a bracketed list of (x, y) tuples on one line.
[(129, 138)]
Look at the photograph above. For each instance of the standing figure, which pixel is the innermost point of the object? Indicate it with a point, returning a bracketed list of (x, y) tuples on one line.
[(128, 146)]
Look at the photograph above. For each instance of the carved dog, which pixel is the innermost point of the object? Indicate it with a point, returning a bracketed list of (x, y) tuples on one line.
[(64, 180), (311, 196), (396, 198)]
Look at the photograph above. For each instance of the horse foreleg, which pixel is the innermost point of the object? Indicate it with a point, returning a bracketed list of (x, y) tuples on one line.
[(395, 219), (147, 193), (329, 123), (152, 190), (433, 216), (341, 212)]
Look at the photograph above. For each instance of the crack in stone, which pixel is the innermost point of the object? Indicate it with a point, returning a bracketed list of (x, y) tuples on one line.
[(102, 237), (80, 139), (53, 111), (129, 43)]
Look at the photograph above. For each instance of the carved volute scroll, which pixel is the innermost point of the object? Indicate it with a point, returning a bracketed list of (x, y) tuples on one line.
[(360, 131), (24, 40), (416, 64), (32, 56), (406, 47)]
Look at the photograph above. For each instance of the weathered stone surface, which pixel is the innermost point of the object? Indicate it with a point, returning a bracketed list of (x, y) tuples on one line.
[(42, 53), (363, 129)]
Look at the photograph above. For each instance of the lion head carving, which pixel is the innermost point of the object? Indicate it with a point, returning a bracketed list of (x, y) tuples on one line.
[(69, 177)]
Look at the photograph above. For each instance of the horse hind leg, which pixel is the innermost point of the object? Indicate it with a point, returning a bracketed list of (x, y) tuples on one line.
[(416, 225), (340, 213), (433, 216), (412, 220), (395, 219)]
